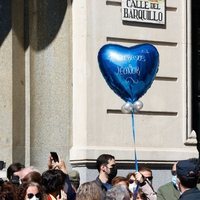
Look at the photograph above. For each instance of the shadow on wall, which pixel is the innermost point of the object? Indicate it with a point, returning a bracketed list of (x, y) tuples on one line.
[(5, 19), (49, 15)]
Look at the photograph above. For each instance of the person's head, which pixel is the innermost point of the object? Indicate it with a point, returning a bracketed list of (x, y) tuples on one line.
[(32, 191), (8, 191), (14, 167), (146, 172), (32, 177), (53, 181), (120, 180), (89, 191), (118, 192), (187, 173), (24, 171), (106, 166), (74, 177), (174, 174), (132, 181), (141, 195)]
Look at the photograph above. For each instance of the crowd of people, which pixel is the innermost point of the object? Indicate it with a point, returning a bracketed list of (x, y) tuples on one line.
[(27, 183)]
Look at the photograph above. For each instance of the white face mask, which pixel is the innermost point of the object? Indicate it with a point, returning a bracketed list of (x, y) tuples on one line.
[(34, 198), (31, 196), (178, 185), (174, 179), (132, 186)]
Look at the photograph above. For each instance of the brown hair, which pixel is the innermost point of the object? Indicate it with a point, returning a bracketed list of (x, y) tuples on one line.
[(142, 194), (144, 168), (130, 174), (8, 191), (32, 177), (89, 191), (119, 179), (23, 188)]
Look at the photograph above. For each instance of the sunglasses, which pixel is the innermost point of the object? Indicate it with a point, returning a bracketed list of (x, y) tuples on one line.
[(150, 178), (31, 195), (131, 181)]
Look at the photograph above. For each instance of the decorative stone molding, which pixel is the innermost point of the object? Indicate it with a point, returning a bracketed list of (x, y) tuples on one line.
[(191, 140)]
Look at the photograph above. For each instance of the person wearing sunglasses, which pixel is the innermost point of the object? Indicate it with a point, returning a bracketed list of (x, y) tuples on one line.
[(146, 173), (137, 182), (30, 191), (145, 184)]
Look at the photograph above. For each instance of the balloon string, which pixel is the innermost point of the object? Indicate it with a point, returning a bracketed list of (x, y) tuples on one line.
[(136, 161), (136, 192), (134, 140)]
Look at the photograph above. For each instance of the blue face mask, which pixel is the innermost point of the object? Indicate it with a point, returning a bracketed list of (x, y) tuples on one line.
[(174, 179)]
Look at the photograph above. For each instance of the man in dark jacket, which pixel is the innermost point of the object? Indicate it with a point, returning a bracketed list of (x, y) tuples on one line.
[(187, 178), (106, 166)]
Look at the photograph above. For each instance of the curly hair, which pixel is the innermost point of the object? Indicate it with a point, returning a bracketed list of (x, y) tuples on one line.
[(23, 189), (8, 191)]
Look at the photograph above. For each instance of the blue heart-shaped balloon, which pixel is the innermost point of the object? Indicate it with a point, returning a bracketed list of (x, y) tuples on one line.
[(129, 71)]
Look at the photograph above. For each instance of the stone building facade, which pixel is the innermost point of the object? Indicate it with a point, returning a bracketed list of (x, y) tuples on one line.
[(54, 98)]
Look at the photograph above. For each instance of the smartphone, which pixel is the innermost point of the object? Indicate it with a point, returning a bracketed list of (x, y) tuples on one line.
[(54, 155)]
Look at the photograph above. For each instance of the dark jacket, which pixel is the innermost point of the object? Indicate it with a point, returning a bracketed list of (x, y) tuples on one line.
[(102, 187), (191, 194), (68, 189)]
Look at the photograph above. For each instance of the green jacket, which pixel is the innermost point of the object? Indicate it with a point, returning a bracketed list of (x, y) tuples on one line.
[(168, 192)]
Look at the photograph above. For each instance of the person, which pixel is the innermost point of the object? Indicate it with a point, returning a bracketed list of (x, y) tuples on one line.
[(138, 181), (120, 180), (141, 195), (33, 176), (107, 169), (53, 183), (187, 178), (132, 181), (89, 191), (74, 177), (12, 168), (117, 192), (8, 191), (68, 188), (169, 191), (24, 171), (146, 173), (31, 191)]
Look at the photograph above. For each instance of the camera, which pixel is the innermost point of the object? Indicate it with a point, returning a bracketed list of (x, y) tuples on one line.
[(15, 180), (2, 164), (1, 181)]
